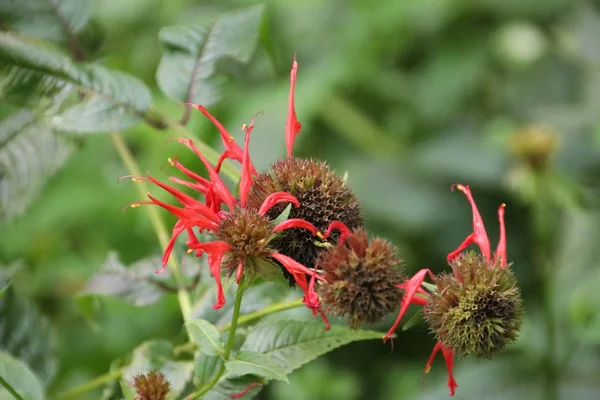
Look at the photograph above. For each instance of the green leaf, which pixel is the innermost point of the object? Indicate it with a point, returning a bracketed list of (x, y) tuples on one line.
[(111, 99), (188, 67), (294, 343), (285, 214), (414, 320), (26, 334), (3, 290), (157, 355), (16, 377), (253, 363), (206, 368), (206, 335), (231, 386), (30, 153), (48, 19)]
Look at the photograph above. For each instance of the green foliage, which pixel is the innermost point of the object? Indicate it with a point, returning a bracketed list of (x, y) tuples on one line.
[(17, 378), (206, 335), (192, 68), (26, 334), (294, 343), (252, 363)]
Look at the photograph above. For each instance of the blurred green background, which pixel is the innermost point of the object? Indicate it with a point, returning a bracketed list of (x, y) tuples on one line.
[(408, 97)]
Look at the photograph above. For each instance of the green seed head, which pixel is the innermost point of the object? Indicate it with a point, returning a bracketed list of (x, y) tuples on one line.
[(476, 310)]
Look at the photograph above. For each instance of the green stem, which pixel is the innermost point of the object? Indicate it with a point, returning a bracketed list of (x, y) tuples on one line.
[(77, 391), (265, 311), (158, 225), (10, 389), (228, 347)]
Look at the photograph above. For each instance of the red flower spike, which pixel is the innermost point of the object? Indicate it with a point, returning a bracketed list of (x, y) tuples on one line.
[(190, 217), (479, 235), (296, 223), (217, 183), (275, 198), (340, 226), (501, 249), (411, 288), (246, 178), (292, 126), (293, 266)]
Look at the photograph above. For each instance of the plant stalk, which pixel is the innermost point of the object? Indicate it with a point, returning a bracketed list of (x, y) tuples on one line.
[(77, 391)]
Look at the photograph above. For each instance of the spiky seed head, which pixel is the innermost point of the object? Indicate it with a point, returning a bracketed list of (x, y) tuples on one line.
[(324, 197), (151, 386), (248, 234), (361, 279), (476, 310)]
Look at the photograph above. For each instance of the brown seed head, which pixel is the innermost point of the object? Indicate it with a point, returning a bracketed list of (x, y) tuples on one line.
[(151, 386)]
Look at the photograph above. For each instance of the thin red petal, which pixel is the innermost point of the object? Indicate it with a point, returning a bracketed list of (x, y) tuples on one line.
[(296, 223), (215, 251), (239, 273), (411, 288), (276, 198), (340, 226), (234, 151), (481, 237), (246, 179), (292, 126), (293, 266), (246, 390), (438, 346), (177, 230), (189, 217), (466, 243), (202, 182), (449, 359), (216, 181), (501, 249)]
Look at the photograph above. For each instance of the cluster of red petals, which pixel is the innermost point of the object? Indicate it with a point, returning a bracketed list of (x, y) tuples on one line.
[(415, 294), (195, 216)]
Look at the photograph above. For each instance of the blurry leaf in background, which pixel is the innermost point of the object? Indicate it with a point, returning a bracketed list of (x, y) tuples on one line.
[(157, 356), (138, 284), (26, 334), (188, 69), (20, 378), (56, 20), (31, 151), (294, 343), (110, 97)]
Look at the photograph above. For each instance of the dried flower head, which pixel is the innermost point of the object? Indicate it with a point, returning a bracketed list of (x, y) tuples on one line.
[(362, 278), (324, 197), (477, 309), (151, 386)]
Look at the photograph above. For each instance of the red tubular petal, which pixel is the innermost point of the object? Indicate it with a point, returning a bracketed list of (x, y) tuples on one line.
[(449, 358), (246, 179), (276, 198), (438, 346), (188, 217), (292, 126), (481, 237), (295, 223), (202, 182), (466, 243), (215, 251), (501, 249), (245, 391), (177, 230), (294, 267), (411, 288), (216, 181), (233, 150), (240, 271), (340, 226)]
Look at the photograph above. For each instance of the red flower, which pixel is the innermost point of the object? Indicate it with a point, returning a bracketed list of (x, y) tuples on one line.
[(415, 294), (208, 217)]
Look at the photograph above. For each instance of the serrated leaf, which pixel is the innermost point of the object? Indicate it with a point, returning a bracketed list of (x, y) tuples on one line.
[(231, 386), (414, 320), (30, 153), (26, 334), (187, 70), (20, 378), (253, 363), (48, 19), (294, 343), (206, 368), (206, 335), (113, 100), (157, 355)]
